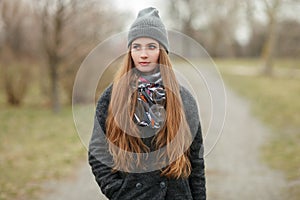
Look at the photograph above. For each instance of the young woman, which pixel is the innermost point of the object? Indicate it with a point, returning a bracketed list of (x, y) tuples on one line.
[(147, 141)]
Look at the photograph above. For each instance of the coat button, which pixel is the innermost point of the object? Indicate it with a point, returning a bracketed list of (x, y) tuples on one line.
[(162, 184), (138, 186)]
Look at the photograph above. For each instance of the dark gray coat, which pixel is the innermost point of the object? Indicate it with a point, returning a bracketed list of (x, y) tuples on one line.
[(147, 185)]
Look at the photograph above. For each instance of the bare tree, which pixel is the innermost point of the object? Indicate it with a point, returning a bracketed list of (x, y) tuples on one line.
[(288, 41), (187, 15), (211, 22), (97, 20), (69, 29), (272, 9), (253, 48), (16, 78), (222, 26), (15, 53), (53, 19)]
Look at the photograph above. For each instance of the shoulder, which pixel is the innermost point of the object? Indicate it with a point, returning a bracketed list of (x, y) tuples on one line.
[(188, 101), (103, 101), (102, 107), (187, 96), (105, 96), (190, 108)]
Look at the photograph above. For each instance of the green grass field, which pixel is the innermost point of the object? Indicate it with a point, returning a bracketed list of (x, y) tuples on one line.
[(276, 101), (36, 145)]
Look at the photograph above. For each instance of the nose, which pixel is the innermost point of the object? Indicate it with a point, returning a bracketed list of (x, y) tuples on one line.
[(144, 54)]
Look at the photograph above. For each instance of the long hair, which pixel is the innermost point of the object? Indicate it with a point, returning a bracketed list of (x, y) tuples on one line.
[(123, 134)]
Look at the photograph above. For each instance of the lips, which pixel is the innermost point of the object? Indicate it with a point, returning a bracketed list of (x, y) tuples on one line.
[(144, 63)]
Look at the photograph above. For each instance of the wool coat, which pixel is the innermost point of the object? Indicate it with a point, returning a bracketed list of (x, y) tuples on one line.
[(147, 185)]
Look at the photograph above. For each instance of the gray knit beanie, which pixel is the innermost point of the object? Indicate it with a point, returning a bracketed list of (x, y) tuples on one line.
[(149, 24)]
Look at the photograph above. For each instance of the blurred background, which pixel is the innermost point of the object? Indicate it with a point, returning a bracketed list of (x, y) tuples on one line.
[(255, 44)]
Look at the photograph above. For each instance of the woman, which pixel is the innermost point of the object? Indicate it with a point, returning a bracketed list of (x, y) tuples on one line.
[(147, 141)]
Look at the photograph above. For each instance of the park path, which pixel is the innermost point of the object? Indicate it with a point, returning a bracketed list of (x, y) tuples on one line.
[(234, 168), (79, 186)]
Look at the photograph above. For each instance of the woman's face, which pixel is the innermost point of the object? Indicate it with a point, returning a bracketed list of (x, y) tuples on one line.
[(145, 53)]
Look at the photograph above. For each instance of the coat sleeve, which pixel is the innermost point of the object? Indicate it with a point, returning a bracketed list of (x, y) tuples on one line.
[(197, 177), (99, 157)]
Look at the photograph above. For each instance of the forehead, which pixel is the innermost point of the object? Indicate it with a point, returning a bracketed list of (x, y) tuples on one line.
[(144, 40)]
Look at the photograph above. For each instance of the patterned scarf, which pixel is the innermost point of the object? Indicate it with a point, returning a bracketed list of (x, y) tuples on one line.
[(151, 98)]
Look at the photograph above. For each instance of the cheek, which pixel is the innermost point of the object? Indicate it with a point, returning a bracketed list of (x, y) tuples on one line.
[(155, 57), (134, 58)]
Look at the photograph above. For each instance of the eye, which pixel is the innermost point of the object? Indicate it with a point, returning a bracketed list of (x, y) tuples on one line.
[(152, 47), (136, 47)]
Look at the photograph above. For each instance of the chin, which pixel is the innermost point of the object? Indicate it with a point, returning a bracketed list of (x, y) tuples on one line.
[(145, 69)]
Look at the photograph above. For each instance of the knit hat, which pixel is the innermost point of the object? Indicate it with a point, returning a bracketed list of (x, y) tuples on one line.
[(149, 24)]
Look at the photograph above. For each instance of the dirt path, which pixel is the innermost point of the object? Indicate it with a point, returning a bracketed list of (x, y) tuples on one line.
[(234, 169), (81, 186)]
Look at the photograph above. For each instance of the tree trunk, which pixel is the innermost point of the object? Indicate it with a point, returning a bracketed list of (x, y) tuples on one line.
[(268, 50), (54, 85), (270, 44)]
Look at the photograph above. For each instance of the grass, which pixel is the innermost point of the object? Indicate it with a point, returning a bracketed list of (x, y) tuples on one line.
[(276, 101), (36, 145)]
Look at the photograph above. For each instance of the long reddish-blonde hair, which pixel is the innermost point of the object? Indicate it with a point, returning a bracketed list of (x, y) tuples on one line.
[(119, 122)]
